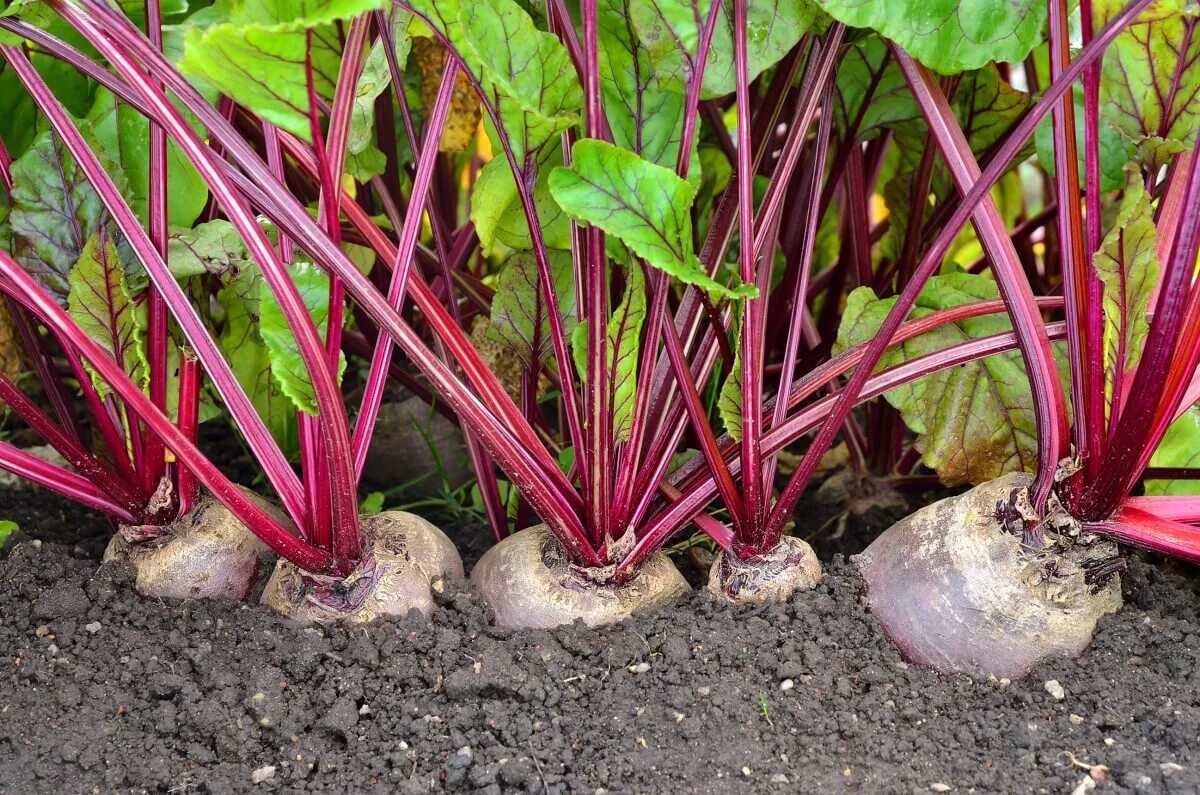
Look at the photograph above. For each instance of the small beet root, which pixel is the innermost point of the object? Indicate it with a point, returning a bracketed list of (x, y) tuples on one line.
[(774, 577), (955, 589), (205, 554), (403, 557), (530, 585)]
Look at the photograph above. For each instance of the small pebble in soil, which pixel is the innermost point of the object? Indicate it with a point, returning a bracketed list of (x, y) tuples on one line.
[(786, 684), (1170, 768), (639, 668), (262, 774), (938, 786), (92, 628), (1076, 720), (1055, 690)]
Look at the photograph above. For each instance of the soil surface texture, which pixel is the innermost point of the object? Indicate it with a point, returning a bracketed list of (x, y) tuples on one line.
[(102, 691)]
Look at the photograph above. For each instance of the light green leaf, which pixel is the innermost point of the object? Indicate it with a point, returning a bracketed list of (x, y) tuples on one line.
[(244, 349), (950, 36), (124, 135), (645, 205), (621, 363), (671, 31), (101, 304), (624, 335), (7, 529), (1180, 447), (1127, 265), (287, 366), (55, 212), (496, 206), (214, 248), (729, 402), (258, 56), (1150, 84), (975, 421), (519, 309)]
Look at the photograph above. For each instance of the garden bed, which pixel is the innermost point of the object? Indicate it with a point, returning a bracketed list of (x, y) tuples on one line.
[(102, 690)]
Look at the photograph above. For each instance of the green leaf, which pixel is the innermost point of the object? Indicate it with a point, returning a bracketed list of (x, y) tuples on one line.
[(1127, 265), (214, 248), (519, 309), (1150, 84), (645, 205), (872, 95), (55, 212), (101, 303), (671, 32), (1115, 149), (372, 503), (624, 335), (375, 78), (7, 529), (1180, 447), (496, 206), (950, 36), (621, 364), (526, 72), (258, 57), (244, 349), (975, 421), (124, 135), (729, 402), (644, 114), (287, 366)]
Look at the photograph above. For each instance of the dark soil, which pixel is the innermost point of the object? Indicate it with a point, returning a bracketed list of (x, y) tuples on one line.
[(101, 691)]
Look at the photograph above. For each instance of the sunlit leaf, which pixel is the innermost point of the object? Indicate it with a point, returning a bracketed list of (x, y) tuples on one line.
[(496, 206), (1180, 448)]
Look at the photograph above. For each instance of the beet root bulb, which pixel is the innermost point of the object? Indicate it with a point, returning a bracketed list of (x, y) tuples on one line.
[(774, 577), (529, 584), (205, 554), (404, 559), (955, 587)]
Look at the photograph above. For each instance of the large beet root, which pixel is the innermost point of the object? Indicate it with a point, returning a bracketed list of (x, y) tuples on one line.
[(403, 557), (530, 585), (956, 590), (774, 577), (205, 554)]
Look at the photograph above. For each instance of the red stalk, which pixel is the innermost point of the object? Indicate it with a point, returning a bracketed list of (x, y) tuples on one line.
[(61, 481)]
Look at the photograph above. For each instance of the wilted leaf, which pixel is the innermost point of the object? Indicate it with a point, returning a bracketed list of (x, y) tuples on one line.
[(462, 123), (1127, 264), (258, 56), (519, 309), (949, 36), (55, 212), (975, 421), (644, 205), (101, 304), (1150, 86), (287, 366)]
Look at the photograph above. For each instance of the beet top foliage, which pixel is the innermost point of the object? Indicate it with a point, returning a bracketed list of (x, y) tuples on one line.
[(637, 247)]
